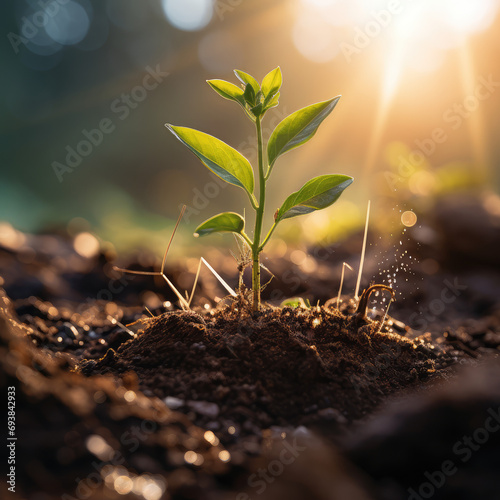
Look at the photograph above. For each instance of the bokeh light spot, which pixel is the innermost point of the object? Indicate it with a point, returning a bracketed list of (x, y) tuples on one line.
[(188, 15), (87, 245), (408, 218), (69, 25), (152, 492), (211, 438), (418, 31), (315, 41), (422, 183), (129, 396), (297, 257), (97, 445), (191, 457), (123, 485)]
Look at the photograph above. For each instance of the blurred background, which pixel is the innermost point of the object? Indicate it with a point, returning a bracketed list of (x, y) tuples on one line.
[(87, 86)]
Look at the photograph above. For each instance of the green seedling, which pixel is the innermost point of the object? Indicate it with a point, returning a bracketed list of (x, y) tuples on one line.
[(296, 302), (256, 99)]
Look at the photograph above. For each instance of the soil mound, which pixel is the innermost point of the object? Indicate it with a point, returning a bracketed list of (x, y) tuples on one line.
[(287, 366)]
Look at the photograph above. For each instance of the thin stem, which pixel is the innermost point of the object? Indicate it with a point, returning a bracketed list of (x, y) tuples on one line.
[(256, 248), (269, 234)]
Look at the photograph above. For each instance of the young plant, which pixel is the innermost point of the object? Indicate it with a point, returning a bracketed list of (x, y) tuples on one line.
[(231, 166)]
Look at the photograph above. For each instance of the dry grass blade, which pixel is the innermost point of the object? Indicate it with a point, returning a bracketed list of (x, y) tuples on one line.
[(114, 321), (385, 315), (270, 279), (185, 302), (182, 300), (214, 272), (195, 283), (344, 265), (181, 215), (221, 281), (362, 259)]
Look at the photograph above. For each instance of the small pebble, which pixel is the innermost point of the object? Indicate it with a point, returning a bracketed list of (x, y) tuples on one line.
[(173, 403), (205, 408)]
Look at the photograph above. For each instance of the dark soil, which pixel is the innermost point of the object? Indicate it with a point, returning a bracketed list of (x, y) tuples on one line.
[(59, 413), (281, 367), (207, 404)]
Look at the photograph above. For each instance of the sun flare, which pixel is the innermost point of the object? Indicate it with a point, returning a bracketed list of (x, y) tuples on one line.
[(398, 38)]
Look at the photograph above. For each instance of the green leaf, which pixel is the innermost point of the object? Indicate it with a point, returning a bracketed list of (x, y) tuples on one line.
[(295, 302), (272, 82), (318, 193), (226, 222), (217, 156), (249, 95), (273, 102), (257, 110), (245, 78), (298, 128), (227, 90)]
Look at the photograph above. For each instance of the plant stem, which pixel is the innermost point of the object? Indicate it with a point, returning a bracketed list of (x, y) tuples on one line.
[(246, 239), (266, 239), (256, 248)]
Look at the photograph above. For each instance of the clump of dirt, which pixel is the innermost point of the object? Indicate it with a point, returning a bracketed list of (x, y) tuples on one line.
[(75, 435), (289, 366)]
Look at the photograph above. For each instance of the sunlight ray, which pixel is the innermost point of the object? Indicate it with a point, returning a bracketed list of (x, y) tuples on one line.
[(475, 120)]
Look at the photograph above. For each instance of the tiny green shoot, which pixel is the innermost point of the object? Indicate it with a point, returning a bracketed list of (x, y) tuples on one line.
[(296, 302), (226, 162)]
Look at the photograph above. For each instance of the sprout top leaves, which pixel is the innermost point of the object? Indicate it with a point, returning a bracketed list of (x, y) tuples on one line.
[(231, 166)]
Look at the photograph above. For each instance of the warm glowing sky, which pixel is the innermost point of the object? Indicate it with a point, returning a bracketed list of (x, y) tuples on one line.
[(418, 80)]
